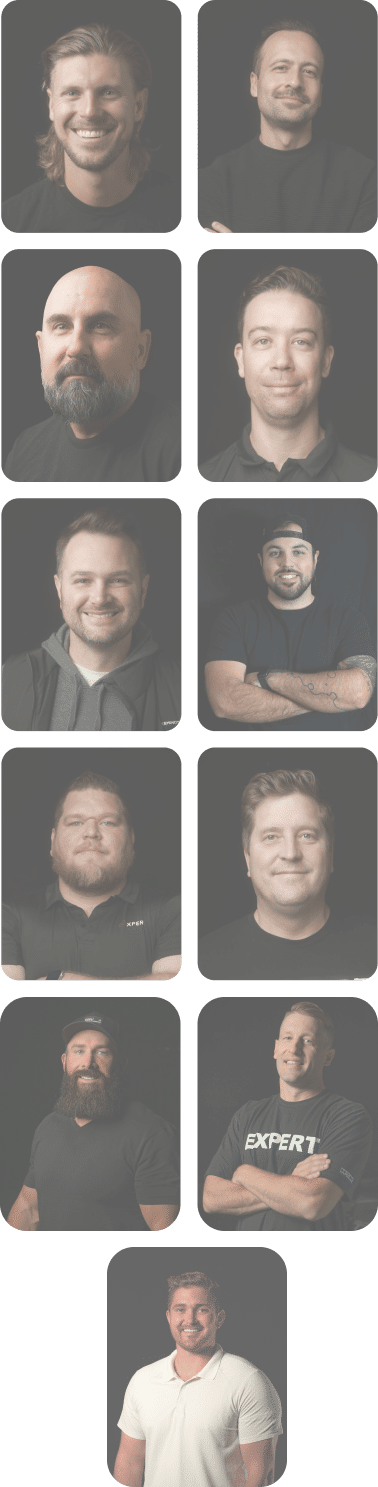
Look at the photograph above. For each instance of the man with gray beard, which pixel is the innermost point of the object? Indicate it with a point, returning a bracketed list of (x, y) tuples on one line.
[(92, 351), (78, 928), (124, 1161)]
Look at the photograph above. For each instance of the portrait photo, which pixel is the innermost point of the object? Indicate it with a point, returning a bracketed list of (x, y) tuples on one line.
[(92, 1097), (288, 1104)]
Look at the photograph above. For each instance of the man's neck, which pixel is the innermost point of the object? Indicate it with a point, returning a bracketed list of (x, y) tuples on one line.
[(80, 1122), (100, 188), (277, 444), (187, 1365), (87, 900), (105, 658), (292, 922), (301, 603), (279, 137), (294, 1093)]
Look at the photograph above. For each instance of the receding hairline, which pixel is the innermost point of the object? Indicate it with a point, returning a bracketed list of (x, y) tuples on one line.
[(127, 292), (292, 31)]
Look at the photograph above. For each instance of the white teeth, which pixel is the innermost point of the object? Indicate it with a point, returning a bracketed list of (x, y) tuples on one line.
[(91, 133)]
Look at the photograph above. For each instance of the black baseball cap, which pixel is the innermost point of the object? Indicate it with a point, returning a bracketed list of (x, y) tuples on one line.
[(93, 1020), (274, 528)]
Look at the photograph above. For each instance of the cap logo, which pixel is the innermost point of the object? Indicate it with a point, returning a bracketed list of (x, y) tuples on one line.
[(92, 1019)]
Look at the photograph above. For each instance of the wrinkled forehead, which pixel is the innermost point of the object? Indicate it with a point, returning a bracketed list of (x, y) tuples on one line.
[(92, 68), (94, 291), (282, 309), (287, 810), (292, 46)]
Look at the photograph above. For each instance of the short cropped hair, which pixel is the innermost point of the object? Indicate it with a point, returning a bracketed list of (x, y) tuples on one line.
[(282, 782), (311, 1009), (90, 781), (299, 282), (281, 26), (107, 524), (85, 41), (194, 1278)]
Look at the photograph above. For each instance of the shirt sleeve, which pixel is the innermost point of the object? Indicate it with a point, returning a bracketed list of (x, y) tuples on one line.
[(211, 196), (346, 1137), (227, 1158), (129, 1420), (156, 1177), (228, 641), (365, 215), (260, 1415), (168, 929), (12, 952), (29, 1180), (355, 638)]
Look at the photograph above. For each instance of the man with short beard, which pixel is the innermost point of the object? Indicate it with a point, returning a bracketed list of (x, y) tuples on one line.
[(95, 1179), (92, 924), (289, 657), (104, 427), (102, 670)]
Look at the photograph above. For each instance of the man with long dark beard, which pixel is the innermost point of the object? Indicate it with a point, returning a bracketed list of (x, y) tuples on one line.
[(98, 1156), (92, 924), (104, 427)]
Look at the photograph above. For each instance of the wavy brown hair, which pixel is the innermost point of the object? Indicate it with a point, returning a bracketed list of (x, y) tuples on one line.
[(84, 41)]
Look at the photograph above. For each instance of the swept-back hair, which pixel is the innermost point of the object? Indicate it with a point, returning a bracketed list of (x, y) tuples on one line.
[(311, 1009), (299, 282), (85, 41), (282, 782), (194, 1278), (107, 524)]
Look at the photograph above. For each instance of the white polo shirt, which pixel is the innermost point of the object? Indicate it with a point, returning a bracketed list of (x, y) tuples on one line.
[(193, 1428)]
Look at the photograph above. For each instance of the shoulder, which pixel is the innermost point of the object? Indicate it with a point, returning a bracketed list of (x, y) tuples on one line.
[(227, 934), (241, 1372), (144, 1376), (18, 211), (349, 465), (220, 465), (232, 162), (336, 1106), (139, 1117), (39, 433), (349, 159)]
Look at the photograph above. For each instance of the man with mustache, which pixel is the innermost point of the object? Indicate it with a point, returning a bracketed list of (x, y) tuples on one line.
[(92, 924), (96, 169), (284, 353), (98, 1156), (287, 1161), (102, 670), (289, 656), (284, 180), (288, 843), (104, 427), (219, 1420)]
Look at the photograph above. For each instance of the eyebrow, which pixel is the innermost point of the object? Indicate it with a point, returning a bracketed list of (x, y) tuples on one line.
[(103, 314), (287, 60), (89, 572), (303, 329)]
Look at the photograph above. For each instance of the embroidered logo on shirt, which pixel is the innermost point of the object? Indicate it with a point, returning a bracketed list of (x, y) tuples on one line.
[(274, 1138), (347, 1174), (130, 923)]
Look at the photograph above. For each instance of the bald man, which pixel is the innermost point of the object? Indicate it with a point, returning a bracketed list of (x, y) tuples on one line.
[(103, 427)]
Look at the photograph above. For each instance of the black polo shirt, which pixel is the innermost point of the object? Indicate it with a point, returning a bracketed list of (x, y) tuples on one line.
[(95, 1176), (344, 949), (144, 444), (121, 938), (329, 461)]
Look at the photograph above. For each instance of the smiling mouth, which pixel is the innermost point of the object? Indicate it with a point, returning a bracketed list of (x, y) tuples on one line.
[(92, 133)]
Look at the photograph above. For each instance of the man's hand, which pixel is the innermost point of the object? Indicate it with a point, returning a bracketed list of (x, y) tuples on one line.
[(217, 227), (312, 1166), (232, 693)]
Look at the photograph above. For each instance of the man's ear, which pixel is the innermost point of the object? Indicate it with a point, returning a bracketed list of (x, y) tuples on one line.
[(51, 110), (220, 1319), (58, 586), (145, 583), (253, 81), (238, 354), (327, 360), (143, 348), (329, 1057), (260, 559), (38, 337), (52, 840), (63, 1059)]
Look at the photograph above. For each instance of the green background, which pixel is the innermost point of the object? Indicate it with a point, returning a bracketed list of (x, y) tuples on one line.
[(54, 1285)]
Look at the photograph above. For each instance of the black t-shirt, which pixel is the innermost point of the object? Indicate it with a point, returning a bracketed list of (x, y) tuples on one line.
[(313, 639), (329, 461), (121, 938), (142, 445), (153, 206), (276, 1134), (94, 1176), (344, 949), (322, 187)]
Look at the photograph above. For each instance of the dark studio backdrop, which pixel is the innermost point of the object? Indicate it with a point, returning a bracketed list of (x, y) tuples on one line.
[(253, 1293), (31, 1045), (30, 601), (229, 539), (228, 33), (29, 29), (348, 781), (235, 1064), (28, 278), (347, 396), (34, 779)]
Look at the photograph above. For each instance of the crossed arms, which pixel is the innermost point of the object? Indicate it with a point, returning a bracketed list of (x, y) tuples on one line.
[(258, 1458), (304, 1194), (235, 693), (162, 970), (24, 1213)]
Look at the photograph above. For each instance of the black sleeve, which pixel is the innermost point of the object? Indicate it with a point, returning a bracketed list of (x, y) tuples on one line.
[(347, 1138), (365, 215), (228, 640), (168, 929), (156, 1177), (12, 952), (211, 196), (355, 638), (227, 1158)]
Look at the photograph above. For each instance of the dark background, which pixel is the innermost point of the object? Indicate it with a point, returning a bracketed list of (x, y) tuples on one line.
[(31, 1045), (229, 534), (30, 601), (253, 1289), (29, 28), (236, 1040), (348, 779), (34, 779), (347, 396), (228, 32), (29, 276)]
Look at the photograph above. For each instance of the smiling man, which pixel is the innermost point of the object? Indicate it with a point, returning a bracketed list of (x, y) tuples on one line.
[(78, 928), (104, 427), (289, 656), (98, 1157), (102, 670), (200, 1415), (97, 175), (287, 1161), (288, 834), (284, 180), (284, 353)]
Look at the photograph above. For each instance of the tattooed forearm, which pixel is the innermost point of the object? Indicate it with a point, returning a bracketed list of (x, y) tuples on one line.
[(329, 691), (367, 664)]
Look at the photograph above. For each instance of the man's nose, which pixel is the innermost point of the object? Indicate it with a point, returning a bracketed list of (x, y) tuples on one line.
[(86, 1059), (91, 827), (78, 342), (99, 590), (294, 77), (290, 847), (88, 107), (282, 356)]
